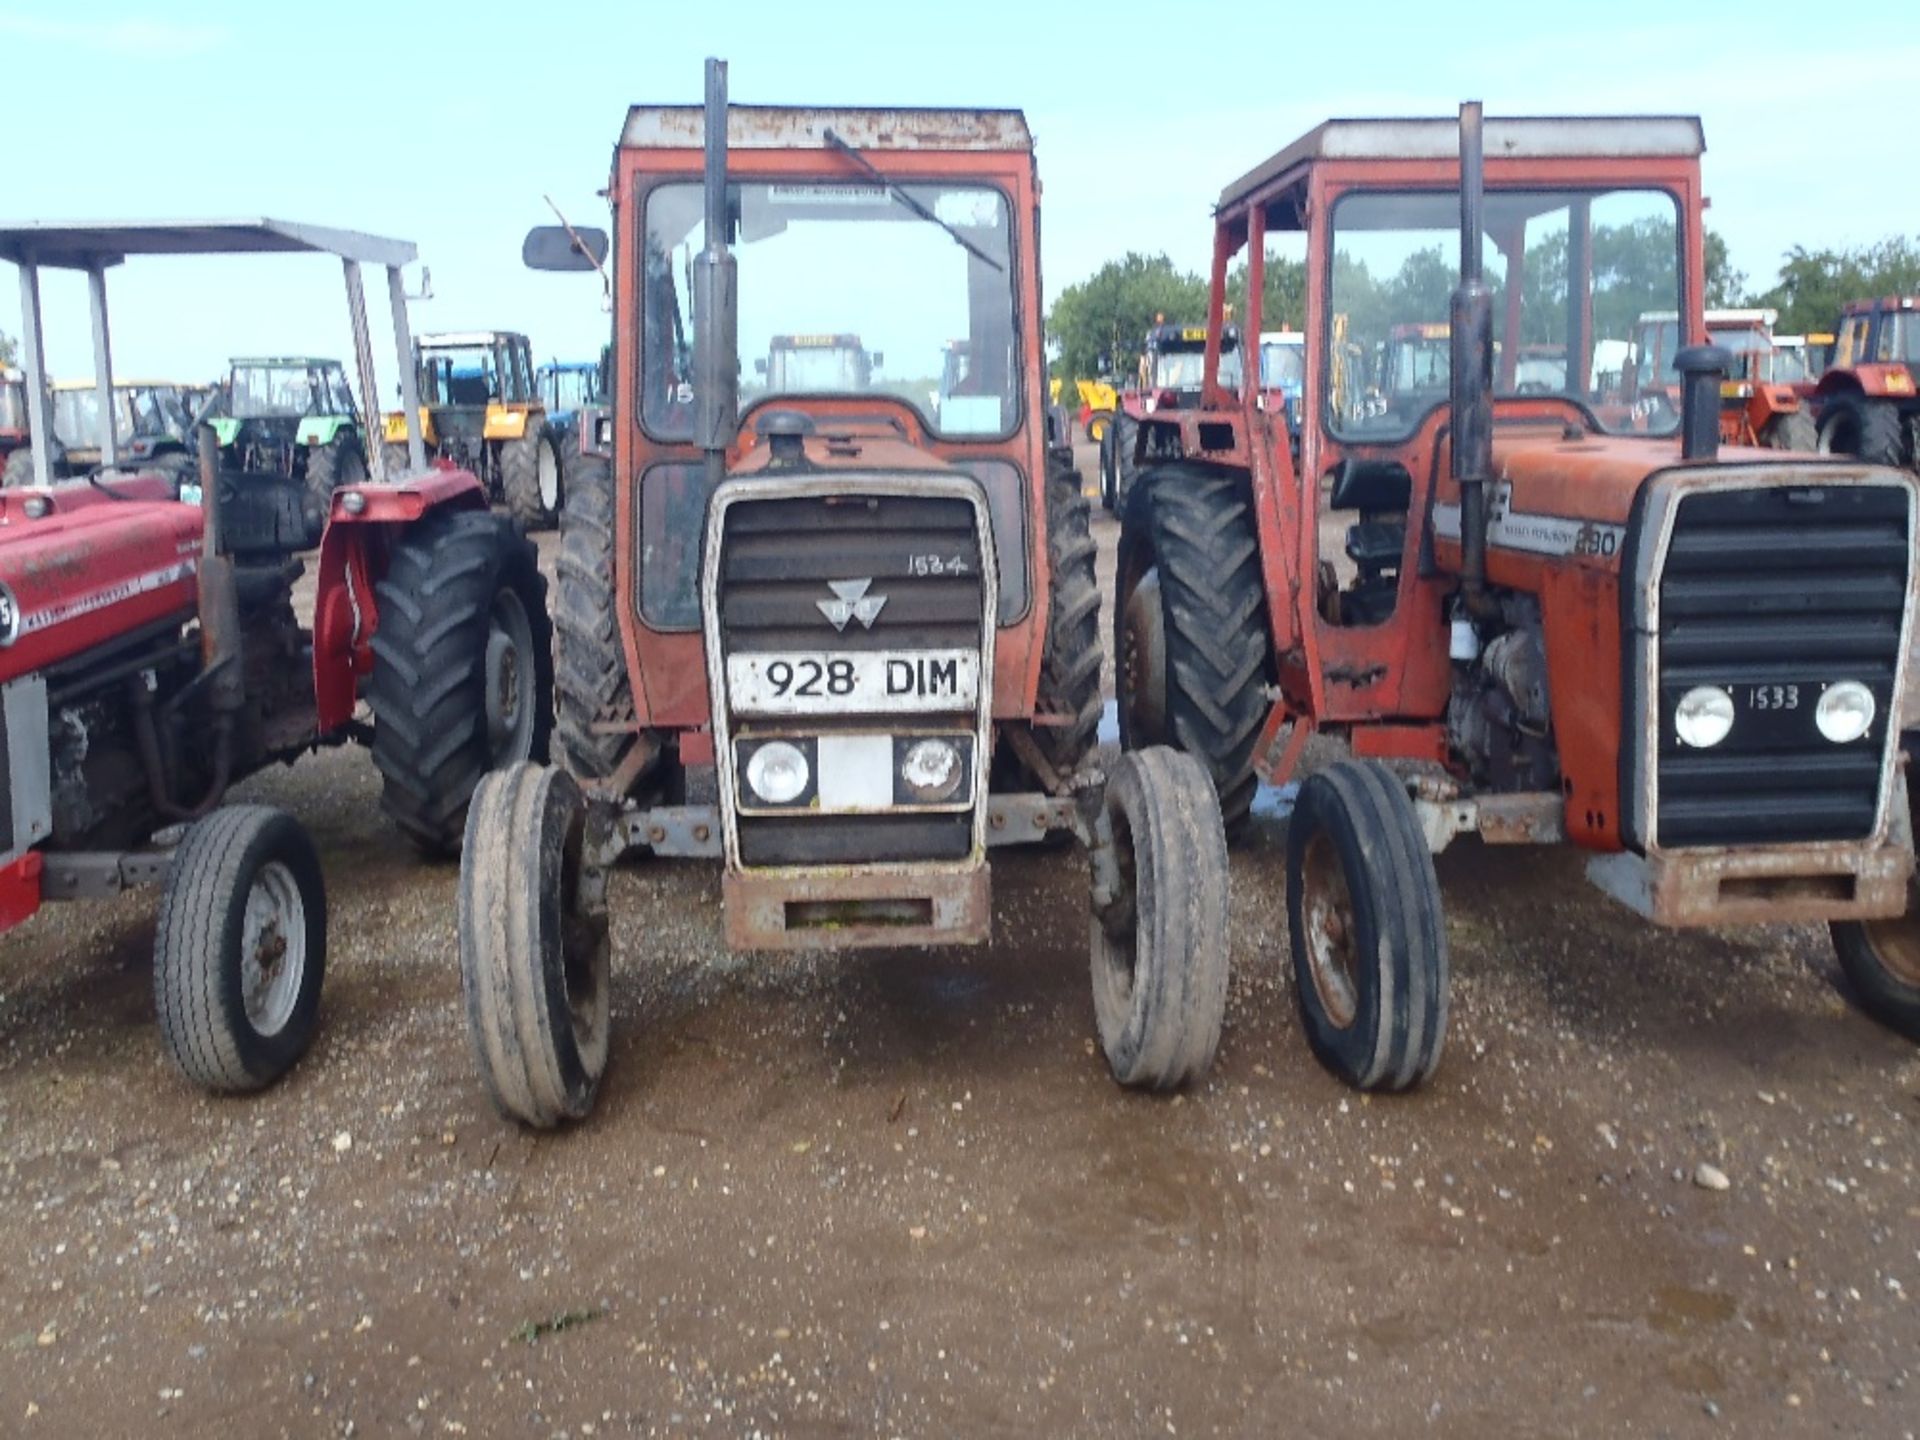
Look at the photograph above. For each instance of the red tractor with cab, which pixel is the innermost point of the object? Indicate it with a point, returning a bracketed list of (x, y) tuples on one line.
[(1168, 379), (151, 656), (843, 640), (1556, 620), (1868, 396)]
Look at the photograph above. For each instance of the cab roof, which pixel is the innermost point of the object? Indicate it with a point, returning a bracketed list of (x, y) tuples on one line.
[(83, 244), (283, 362), (454, 339), (1515, 137), (799, 127)]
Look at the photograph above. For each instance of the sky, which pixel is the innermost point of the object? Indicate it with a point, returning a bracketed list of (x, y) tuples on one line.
[(446, 125)]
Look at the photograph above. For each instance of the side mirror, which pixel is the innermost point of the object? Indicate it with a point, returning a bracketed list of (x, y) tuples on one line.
[(553, 247)]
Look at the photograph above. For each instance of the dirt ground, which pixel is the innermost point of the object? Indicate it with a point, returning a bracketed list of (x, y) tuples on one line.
[(897, 1194)]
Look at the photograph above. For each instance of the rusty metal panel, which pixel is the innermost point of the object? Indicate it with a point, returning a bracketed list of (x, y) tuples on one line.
[(1787, 885), (797, 127), (840, 909)]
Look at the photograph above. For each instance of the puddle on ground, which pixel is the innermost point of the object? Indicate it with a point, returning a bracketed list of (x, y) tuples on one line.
[(1678, 1310), (1110, 723)]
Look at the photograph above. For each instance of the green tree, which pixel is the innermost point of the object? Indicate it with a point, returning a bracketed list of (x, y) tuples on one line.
[(1109, 313), (1726, 286), (1814, 284), (1283, 294), (9, 352)]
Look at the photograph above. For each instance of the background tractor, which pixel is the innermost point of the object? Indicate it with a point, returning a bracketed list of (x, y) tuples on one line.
[(13, 414), (1558, 618), (1758, 402), (293, 415), (151, 422), (480, 409), (151, 657), (568, 390), (844, 643), (1867, 398), (1168, 378)]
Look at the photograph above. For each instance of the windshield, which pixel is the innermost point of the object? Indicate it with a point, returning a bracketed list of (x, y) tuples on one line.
[(571, 389), (850, 262), (1751, 348), (76, 417), (288, 391), (1901, 340), (1283, 365), (462, 375), (1181, 369), (1573, 269)]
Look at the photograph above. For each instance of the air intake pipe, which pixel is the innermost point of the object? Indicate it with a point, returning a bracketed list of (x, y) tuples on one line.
[(1470, 317), (1702, 370)]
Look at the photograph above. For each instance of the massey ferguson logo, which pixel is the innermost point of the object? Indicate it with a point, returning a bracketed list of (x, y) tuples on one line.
[(851, 602)]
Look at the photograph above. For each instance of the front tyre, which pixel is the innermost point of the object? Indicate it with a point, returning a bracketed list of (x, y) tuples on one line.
[(534, 948), (1071, 659), (240, 949), (1368, 937), (463, 668), (1794, 430), (1160, 921), (341, 461)]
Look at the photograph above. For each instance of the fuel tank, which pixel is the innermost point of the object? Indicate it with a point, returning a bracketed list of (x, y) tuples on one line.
[(91, 568)]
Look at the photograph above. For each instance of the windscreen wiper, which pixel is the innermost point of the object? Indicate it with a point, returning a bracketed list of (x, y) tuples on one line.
[(907, 200)]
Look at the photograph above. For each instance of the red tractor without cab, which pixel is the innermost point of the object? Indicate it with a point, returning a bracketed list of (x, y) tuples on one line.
[(150, 657)]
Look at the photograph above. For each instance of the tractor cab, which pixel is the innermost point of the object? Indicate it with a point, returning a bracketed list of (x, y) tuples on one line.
[(1556, 615), (294, 416), (1867, 399), (13, 412), (1758, 402), (817, 364), (1170, 365), (151, 422)]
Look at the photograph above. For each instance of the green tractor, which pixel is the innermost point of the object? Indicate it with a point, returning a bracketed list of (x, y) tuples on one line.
[(294, 416)]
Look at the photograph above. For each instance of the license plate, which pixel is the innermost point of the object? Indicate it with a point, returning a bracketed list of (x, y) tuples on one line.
[(835, 682)]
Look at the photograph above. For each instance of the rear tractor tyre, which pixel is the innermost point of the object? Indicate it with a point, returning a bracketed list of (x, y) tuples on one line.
[(1869, 429), (463, 668), (530, 478), (1794, 430), (240, 949), (1098, 423), (19, 470), (341, 461), (1160, 923), (1070, 662), (534, 948), (1368, 937), (1108, 480), (1191, 645), (1126, 468), (398, 461)]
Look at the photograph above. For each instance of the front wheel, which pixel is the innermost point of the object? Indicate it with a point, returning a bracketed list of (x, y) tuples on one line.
[(1882, 959), (240, 949), (1160, 921), (463, 668), (1369, 941), (340, 461), (530, 478), (398, 461), (534, 949), (1794, 430)]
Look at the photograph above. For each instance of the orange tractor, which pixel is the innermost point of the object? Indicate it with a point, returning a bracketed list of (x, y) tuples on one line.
[(844, 640), (1556, 621), (1868, 395)]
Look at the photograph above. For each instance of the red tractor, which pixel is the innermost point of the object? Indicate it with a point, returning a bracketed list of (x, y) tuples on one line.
[(150, 657), (1868, 397), (1168, 379), (845, 643), (1759, 404), (1550, 625)]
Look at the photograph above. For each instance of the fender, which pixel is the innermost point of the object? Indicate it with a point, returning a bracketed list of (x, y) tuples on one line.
[(1872, 379), (353, 559), (507, 422), (226, 429), (20, 890), (393, 427), (321, 429)]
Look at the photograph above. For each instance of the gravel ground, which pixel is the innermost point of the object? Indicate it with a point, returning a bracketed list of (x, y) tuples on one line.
[(896, 1193)]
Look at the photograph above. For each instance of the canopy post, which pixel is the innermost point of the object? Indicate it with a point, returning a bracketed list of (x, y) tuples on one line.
[(363, 363), (103, 364), (39, 398), (409, 377)]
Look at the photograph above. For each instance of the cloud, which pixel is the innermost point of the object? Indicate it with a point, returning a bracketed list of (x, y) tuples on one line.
[(154, 39)]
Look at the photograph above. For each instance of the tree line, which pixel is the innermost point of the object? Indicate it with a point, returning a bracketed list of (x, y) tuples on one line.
[(1104, 317)]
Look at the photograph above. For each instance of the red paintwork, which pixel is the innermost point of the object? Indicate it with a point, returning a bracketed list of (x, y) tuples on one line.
[(1387, 685), (1871, 378), (669, 670), (19, 890), (353, 558), (93, 570)]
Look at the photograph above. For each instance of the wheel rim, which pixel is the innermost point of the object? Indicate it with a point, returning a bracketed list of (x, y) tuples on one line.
[(1896, 945), (549, 468), (273, 949), (583, 957), (1121, 921), (510, 679), (1837, 436), (1327, 923), (1142, 665)]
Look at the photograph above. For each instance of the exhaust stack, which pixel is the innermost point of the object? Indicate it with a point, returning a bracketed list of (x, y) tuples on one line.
[(716, 329), (1470, 316), (1702, 369)]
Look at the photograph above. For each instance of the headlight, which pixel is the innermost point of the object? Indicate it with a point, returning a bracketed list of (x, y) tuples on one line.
[(1703, 717), (777, 773), (932, 771), (1845, 712)]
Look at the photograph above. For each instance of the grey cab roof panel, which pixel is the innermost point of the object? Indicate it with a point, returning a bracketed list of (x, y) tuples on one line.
[(82, 244), (1511, 137), (800, 127)]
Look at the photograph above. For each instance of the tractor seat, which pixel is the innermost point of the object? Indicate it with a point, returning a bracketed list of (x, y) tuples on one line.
[(1371, 486), (1376, 545)]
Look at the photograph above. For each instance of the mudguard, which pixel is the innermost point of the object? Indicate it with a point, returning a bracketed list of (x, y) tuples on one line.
[(226, 429), (394, 428), (354, 553), (1892, 382), (508, 422), (321, 429)]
